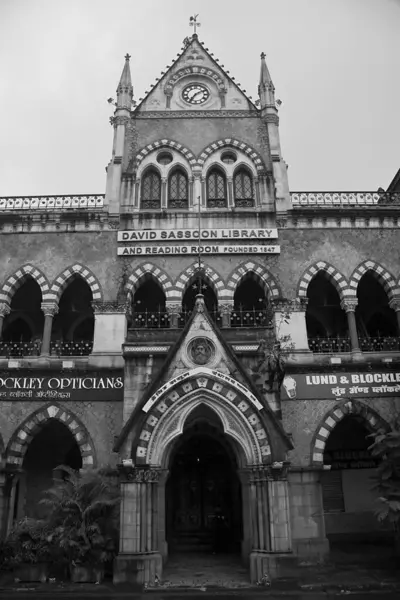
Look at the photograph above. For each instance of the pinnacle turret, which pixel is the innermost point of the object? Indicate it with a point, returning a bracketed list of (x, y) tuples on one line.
[(266, 90), (125, 88)]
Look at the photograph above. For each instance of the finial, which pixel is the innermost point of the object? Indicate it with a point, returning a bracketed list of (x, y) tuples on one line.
[(263, 55), (194, 23), (127, 56)]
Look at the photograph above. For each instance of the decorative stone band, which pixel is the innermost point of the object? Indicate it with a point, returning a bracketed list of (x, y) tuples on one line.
[(144, 474), (373, 421), (245, 348), (349, 304), (49, 308), (276, 471), (290, 304), (109, 307), (145, 349)]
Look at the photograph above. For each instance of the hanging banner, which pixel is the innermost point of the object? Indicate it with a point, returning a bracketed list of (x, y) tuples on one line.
[(340, 385), (186, 250), (96, 386)]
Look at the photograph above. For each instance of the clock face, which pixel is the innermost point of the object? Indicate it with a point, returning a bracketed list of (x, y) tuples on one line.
[(195, 93)]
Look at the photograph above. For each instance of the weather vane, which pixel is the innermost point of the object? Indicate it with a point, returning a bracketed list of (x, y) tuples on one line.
[(194, 23)]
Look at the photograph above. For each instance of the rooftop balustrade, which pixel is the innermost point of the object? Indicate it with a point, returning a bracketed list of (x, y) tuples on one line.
[(49, 203), (344, 199)]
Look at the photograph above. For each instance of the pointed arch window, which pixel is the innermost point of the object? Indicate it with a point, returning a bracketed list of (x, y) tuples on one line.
[(151, 190), (216, 189), (178, 189), (243, 188)]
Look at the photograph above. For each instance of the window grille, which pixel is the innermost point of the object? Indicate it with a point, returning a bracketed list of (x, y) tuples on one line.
[(178, 190), (151, 190), (216, 189), (243, 189)]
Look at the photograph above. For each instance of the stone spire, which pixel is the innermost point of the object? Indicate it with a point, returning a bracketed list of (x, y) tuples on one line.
[(125, 88), (266, 90)]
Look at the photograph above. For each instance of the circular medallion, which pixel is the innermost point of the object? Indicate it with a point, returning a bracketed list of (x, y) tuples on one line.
[(201, 350), (195, 93)]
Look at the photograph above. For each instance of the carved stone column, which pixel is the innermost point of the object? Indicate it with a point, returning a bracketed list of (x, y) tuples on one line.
[(4, 311), (174, 310), (139, 559), (50, 309), (164, 200), (395, 305), (257, 191), (349, 305), (226, 309), (231, 198)]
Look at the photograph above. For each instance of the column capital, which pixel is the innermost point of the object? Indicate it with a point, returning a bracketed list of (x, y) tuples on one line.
[(349, 304), (109, 307), (277, 471), (225, 307), (50, 309), (172, 307), (5, 309), (144, 474), (394, 303)]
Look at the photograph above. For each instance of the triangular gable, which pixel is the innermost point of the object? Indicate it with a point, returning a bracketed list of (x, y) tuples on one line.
[(195, 63), (217, 355)]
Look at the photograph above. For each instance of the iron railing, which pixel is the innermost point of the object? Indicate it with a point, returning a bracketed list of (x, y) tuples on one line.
[(186, 314), (78, 348), (250, 318), (150, 320), (51, 202), (379, 344), (20, 349), (329, 345)]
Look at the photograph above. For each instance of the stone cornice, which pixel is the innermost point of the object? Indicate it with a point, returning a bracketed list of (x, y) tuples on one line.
[(197, 114)]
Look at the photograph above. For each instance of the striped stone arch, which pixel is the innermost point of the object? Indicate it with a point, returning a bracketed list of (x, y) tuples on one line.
[(165, 143), (373, 422), (150, 269), (166, 411), (383, 275), (260, 271), (337, 279), (13, 282), (61, 282), (24, 434), (233, 143), (182, 282)]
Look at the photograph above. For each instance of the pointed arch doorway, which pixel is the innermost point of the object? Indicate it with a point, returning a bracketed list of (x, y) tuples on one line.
[(203, 492)]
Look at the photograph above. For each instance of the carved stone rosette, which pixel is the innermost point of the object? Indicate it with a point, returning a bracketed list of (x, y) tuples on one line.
[(349, 304), (108, 307), (130, 474)]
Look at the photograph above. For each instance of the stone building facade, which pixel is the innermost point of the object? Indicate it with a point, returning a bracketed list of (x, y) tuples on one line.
[(125, 341)]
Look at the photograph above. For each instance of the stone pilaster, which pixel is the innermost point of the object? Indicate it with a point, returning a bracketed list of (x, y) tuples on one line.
[(290, 320), (395, 305), (4, 311), (109, 328), (50, 309), (173, 309), (226, 309), (349, 305), (139, 559)]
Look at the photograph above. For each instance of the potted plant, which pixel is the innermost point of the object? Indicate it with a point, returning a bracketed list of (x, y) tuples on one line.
[(82, 507), (29, 550)]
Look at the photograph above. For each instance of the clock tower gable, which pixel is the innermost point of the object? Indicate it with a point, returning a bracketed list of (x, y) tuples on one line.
[(195, 81)]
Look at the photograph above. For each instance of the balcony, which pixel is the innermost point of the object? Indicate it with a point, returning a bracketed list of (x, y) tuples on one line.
[(366, 344), (379, 344), (77, 348), (150, 320), (250, 318), (20, 349)]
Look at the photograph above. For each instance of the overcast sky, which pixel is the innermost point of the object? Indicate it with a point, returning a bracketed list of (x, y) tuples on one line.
[(335, 65)]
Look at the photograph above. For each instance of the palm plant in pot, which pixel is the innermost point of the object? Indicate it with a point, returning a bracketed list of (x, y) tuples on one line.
[(29, 549), (82, 516)]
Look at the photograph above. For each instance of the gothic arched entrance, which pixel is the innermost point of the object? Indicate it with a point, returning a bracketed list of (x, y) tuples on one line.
[(203, 492)]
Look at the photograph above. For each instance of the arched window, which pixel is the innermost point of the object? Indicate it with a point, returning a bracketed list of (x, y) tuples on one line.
[(216, 189), (178, 189), (151, 190), (243, 188), (148, 306), (250, 304)]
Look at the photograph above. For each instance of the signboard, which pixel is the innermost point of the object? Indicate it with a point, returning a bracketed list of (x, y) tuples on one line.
[(96, 386), (340, 385), (209, 249), (181, 235)]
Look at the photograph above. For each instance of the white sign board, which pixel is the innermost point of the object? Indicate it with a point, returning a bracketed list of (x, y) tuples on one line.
[(182, 235), (138, 250)]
